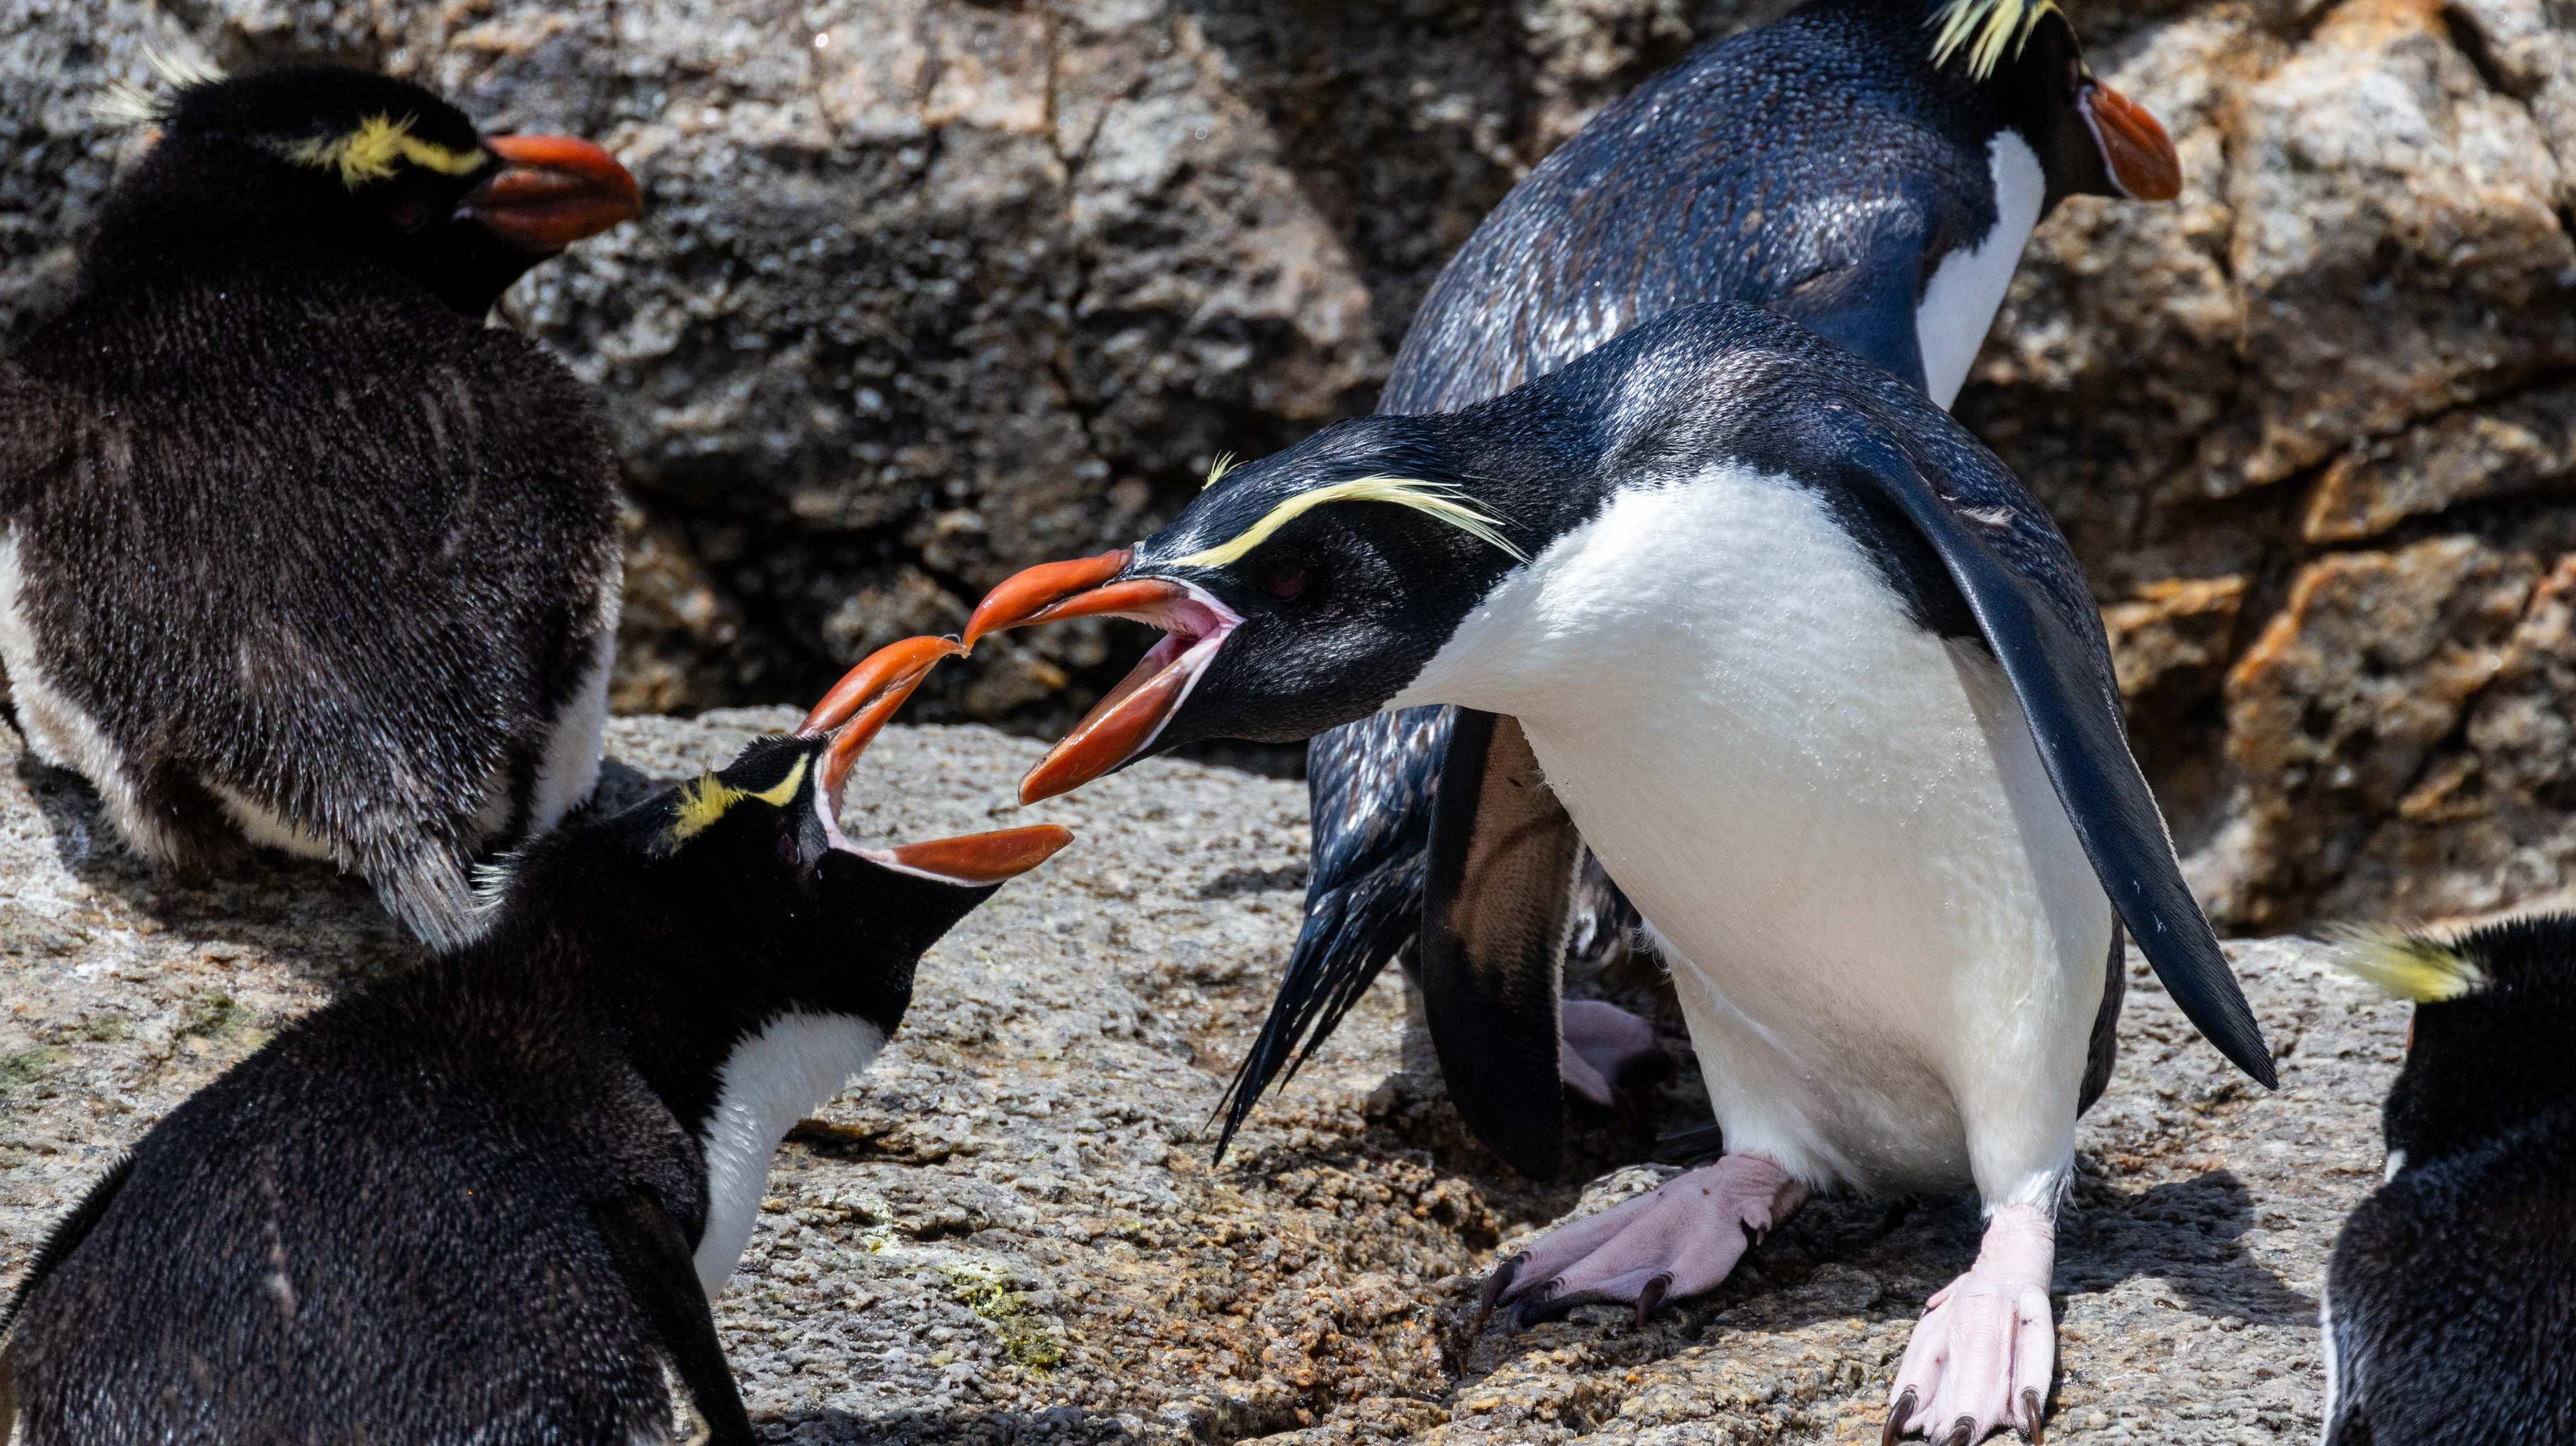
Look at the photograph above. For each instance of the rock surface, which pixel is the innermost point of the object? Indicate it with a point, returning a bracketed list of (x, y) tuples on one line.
[(931, 289), (1009, 1231)]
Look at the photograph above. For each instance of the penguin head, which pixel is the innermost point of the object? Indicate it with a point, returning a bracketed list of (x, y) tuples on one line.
[(2495, 1017), (744, 870), (354, 161), (1296, 593), (2090, 139)]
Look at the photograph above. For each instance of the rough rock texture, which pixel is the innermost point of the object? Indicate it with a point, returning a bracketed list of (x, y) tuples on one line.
[(1009, 1232), (930, 289)]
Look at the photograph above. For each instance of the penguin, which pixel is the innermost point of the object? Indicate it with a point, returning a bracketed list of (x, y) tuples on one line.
[(1821, 685), (1871, 168), (490, 1198), (2449, 1315), (294, 548)]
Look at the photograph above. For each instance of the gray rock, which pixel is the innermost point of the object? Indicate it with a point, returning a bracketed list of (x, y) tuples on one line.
[(1009, 1230)]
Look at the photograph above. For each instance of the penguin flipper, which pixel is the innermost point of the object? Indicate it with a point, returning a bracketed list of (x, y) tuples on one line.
[(1370, 785), (655, 1262), (2022, 586), (1867, 304), (1498, 906)]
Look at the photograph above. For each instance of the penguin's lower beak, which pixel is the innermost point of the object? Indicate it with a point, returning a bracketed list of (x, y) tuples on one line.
[(2135, 148), (1122, 726), (852, 714), (550, 192)]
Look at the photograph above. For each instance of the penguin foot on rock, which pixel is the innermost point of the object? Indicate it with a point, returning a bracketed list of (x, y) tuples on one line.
[(1983, 1352), (1681, 1240), (1606, 1047)]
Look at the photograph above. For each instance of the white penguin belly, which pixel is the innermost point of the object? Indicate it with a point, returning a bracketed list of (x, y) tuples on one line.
[(1886, 938), (570, 768), (769, 1082), (1959, 303)]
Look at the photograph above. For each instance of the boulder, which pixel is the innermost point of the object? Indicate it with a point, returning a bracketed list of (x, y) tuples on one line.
[(1010, 1230)]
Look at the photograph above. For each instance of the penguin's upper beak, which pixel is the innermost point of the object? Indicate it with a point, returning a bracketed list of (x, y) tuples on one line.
[(2135, 148), (1125, 723), (852, 714), (550, 192)]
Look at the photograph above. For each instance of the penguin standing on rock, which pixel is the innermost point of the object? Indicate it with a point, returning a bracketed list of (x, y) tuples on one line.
[(293, 545), (489, 1199), (1870, 168), (2450, 1308), (1822, 686)]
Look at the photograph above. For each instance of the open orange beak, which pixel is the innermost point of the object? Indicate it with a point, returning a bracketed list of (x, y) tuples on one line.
[(2135, 148), (853, 713), (1123, 725), (552, 191)]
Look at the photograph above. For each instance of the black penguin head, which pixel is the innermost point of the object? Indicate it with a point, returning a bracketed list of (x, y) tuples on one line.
[(349, 160), (2090, 139), (2495, 1018), (1297, 593), (744, 870)]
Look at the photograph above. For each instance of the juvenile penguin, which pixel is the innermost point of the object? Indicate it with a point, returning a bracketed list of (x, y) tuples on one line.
[(1823, 687), (2450, 1308), (489, 1199), (1871, 168), (292, 545)]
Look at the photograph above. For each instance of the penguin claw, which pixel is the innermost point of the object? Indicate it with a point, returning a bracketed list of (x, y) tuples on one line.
[(2030, 1404), (1964, 1433), (1653, 1295), (1894, 1430), (1495, 1285)]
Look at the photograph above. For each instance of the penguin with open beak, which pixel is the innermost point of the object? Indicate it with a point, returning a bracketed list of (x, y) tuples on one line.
[(1823, 687), (1871, 168), (293, 546), (2449, 1314), (489, 1199)]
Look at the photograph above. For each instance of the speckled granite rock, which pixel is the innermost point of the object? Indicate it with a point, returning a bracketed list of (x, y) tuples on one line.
[(1009, 1231)]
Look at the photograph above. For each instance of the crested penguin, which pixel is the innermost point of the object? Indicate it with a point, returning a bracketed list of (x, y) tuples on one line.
[(490, 1198), (2449, 1315), (1871, 168), (1823, 687), (293, 546)]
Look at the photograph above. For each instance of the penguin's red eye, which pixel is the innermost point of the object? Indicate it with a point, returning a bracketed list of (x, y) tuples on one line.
[(1285, 581)]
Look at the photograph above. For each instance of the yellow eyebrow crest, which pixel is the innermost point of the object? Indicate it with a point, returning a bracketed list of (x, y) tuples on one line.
[(1431, 499), (379, 147), (1985, 29), (709, 798), (2410, 966)]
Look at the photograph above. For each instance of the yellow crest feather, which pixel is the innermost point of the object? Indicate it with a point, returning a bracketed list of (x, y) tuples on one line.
[(1985, 29), (1217, 469), (1431, 499), (2408, 966), (379, 147), (708, 798)]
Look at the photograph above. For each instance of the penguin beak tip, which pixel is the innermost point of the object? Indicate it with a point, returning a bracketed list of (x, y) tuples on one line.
[(2135, 149), (552, 191)]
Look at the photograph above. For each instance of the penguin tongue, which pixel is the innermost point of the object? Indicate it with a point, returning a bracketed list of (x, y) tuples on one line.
[(2135, 148)]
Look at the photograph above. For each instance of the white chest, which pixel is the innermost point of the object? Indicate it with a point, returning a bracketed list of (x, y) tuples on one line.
[(1959, 303), (1837, 821), (771, 1081)]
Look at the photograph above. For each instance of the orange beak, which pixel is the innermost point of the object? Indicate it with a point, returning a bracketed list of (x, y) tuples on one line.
[(2135, 148), (855, 711), (1126, 722), (552, 191)]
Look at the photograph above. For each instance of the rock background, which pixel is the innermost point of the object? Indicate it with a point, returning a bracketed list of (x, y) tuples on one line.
[(930, 289), (1008, 1232)]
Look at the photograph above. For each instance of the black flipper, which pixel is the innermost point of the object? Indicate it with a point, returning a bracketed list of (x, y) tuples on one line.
[(1868, 302), (62, 1240), (656, 1264), (1369, 787), (1498, 899), (2020, 582)]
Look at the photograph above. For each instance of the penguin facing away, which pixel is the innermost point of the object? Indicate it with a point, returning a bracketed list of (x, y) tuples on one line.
[(1871, 168), (1821, 684), (2449, 1314), (489, 1199), (292, 545)]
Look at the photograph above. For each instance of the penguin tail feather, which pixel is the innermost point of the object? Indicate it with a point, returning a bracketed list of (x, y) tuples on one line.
[(430, 891), (2407, 966)]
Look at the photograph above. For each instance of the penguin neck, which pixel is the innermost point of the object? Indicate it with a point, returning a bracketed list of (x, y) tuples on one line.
[(1967, 287), (770, 1079)]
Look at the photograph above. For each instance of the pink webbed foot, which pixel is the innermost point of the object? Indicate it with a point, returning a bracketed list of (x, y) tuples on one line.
[(1982, 1354), (1679, 1241), (1604, 1047)]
